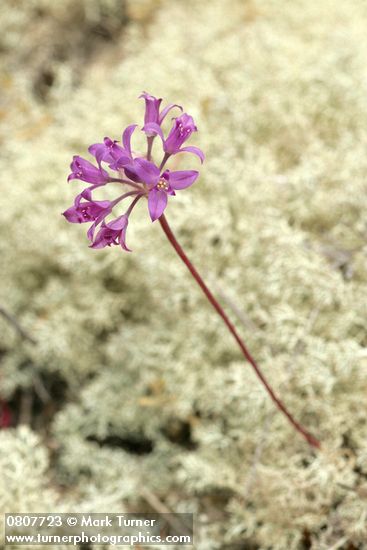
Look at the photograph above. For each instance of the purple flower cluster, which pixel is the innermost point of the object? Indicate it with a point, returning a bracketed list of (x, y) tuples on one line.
[(137, 174)]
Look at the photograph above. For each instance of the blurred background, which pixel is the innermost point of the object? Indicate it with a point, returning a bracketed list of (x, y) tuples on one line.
[(119, 388)]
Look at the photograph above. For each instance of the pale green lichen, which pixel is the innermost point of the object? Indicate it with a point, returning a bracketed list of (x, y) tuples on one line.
[(277, 224)]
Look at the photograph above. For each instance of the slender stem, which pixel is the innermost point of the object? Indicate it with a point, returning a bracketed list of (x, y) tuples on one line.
[(119, 180), (165, 158), (124, 196), (150, 140), (132, 205), (172, 239)]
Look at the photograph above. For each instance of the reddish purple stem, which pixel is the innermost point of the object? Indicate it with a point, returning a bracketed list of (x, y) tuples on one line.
[(307, 435)]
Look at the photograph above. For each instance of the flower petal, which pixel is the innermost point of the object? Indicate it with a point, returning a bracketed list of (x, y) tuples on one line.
[(108, 151), (98, 220), (98, 150), (126, 138), (91, 230), (84, 170), (146, 171), (152, 105), (166, 110), (73, 215), (101, 239), (195, 150), (119, 223), (157, 202), (120, 162), (122, 240), (153, 129), (182, 178)]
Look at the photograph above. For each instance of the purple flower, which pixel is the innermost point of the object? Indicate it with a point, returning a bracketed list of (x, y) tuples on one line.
[(112, 233), (88, 210), (152, 114), (108, 151), (166, 185), (159, 186), (84, 170), (138, 173), (116, 156), (181, 130)]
